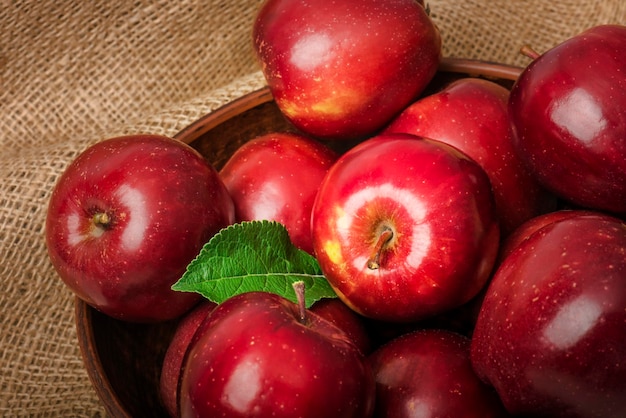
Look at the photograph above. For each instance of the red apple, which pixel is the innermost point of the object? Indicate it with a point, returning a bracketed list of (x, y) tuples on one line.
[(524, 231), (175, 355), (338, 313), (428, 373), (276, 177), (405, 228), (567, 109), (471, 115), (551, 335), (343, 69), (260, 355), (125, 219)]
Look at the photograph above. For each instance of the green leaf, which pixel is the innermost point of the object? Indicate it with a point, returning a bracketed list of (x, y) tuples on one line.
[(253, 256)]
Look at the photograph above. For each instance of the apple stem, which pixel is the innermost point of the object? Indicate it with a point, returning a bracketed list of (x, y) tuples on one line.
[(528, 51), (298, 287), (373, 263), (101, 219)]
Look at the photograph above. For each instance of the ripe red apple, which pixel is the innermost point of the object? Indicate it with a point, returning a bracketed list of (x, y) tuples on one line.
[(427, 373), (405, 227), (276, 177), (125, 219), (343, 69), (471, 115), (567, 109), (259, 354), (524, 231), (338, 313), (175, 354), (551, 332)]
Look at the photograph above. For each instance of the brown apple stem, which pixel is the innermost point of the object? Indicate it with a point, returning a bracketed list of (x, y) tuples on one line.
[(528, 51), (298, 287), (102, 220), (373, 263)]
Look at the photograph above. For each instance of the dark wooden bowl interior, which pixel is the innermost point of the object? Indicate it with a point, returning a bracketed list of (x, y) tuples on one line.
[(123, 360)]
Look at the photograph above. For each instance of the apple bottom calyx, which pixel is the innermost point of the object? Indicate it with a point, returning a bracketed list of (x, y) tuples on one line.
[(101, 223)]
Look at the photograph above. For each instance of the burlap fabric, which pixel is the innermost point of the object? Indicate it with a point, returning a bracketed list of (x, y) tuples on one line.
[(72, 73)]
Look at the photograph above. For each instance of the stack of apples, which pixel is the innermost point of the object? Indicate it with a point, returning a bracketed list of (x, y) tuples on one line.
[(501, 210)]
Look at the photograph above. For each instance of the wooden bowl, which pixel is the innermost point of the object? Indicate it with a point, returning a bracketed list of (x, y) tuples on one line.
[(124, 360)]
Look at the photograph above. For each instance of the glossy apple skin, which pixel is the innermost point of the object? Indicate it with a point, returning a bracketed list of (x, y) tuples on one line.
[(164, 202), (471, 114), (341, 315), (567, 109), (550, 335), (175, 354), (343, 69), (254, 357), (428, 373), (276, 177), (524, 231), (439, 205)]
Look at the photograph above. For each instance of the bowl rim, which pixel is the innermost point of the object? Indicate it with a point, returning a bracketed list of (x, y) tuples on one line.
[(83, 313), (471, 67), (107, 394)]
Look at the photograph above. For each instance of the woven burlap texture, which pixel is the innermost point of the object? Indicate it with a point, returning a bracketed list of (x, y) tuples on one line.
[(73, 73)]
